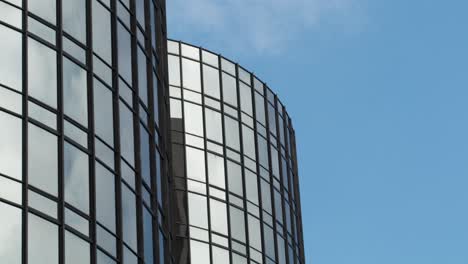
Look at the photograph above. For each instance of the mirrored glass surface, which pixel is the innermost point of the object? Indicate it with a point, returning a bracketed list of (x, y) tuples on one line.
[(198, 214), (42, 159), (195, 164), (126, 134), (74, 18), (42, 241), (10, 234), (237, 224), (103, 113), (76, 250), (75, 94), (193, 117), (191, 75), (76, 177), (11, 63), (42, 72), (216, 170), (229, 90), (148, 236), (129, 217), (174, 70), (10, 146), (231, 131), (211, 81), (124, 53), (102, 31), (10, 190), (44, 9), (218, 217), (214, 129), (235, 178)]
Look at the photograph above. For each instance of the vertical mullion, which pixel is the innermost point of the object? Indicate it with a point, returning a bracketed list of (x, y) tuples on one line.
[(24, 242), (91, 133), (116, 119)]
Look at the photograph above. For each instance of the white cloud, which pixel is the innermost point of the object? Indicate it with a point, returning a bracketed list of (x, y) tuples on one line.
[(263, 26)]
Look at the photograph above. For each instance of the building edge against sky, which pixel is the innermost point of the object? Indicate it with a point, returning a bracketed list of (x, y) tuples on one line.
[(235, 188)]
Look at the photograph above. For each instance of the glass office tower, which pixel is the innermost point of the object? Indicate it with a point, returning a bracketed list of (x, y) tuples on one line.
[(235, 191), (83, 132)]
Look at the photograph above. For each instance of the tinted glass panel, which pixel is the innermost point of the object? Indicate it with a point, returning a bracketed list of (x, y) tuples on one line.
[(211, 81), (11, 62), (216, 170), (129, 217), (191, 75), (237, 224), (218, 216), (102, 31), (198, 215), (42, 241), (10, 146), (214, 130), (199, 252), (235, 178), (126, 133), (75, 95), (76, 177), (10, 234), (193, 119), (74, 18), (229, 90), (124, 56), (103, 113), (42, 168), (45, 9), (76, 250), (195, 164)]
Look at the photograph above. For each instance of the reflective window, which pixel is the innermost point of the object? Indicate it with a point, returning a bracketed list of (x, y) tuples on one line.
[(42, 204), (76, 250), (75, 95), (129, 217), (190, 52), (145, 155), (10, 146), (248, 141), (251, 186), (11, 62), (211, 81), (142, 77), (103, 113), (76, 221), (255, 238), (140, 12), (246, 98), (174, 70), (106, 240), (191, 75), (195, 164), (272, 119), (199, 252), (278, 206), (266, 196), (218, 217), (220, 256), (216, 170), (126, 133), (124, 53), (74, 18), (76, 177), (42, 168), (229, 89), (11, 100), (105, 197), (42, 241), (148, 236), (281, 250), (10, 15), (269, 239), (214, 130), (193, 118), (235, 178), (10, 234), (102, 31), (260, 108), (10, 190), (231, 130), (262, 151), (198, 214), (45, 9), (237, 224), (42, 72), (44, 32)]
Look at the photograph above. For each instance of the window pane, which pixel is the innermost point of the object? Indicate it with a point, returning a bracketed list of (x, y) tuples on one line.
[(229, 89), (124, 53), (42, 72), (218, 216), (42, 241), (10, 190), (129, 217), (10, 146), (214, 130), (45, 9), (103, 112), (220, 256), (42, 160), (199, 252), (246, 98), (237, 224), (211, 81), (198, 214), (255, 239), (11, 62), (75, 94), (174, 70), (191, 75), (76, 250), (145, 155), (126, 133), (195, 164), (10, 234), (142, 77), (148, 236), (266, 196), (216, 170), (251, 186), (269, 241), (248, 141), (102, 32), (260, 108), (76, 177), (193, 119), (74, 18), (232, 133), (235, 178)]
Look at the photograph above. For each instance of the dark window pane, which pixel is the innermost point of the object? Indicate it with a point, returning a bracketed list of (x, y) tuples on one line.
[(42, 160), (142, 76), (145, 155), (129, 217), (103, 112), (148, 236), (124, 53), (126, 134)]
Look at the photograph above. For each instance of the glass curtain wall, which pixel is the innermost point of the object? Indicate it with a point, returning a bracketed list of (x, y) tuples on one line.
[(235, 185), (83, 163)]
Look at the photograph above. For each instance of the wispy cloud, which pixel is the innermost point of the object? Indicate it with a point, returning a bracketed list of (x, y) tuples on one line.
[(263, 26)]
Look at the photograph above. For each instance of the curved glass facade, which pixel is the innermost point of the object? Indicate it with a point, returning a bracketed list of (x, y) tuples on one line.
[(235, 185), (83, 132)]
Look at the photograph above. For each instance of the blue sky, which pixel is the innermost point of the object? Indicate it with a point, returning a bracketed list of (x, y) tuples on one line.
[(378, 92)]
